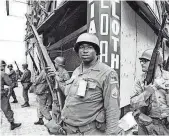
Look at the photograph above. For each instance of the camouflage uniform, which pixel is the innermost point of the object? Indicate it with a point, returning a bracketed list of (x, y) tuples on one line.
[(13, 77), (98, 111), (26, 80), (155, 102), (42, 92), (5, 105)]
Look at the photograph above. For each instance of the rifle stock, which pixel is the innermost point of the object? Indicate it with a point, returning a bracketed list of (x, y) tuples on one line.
[(46, 61)]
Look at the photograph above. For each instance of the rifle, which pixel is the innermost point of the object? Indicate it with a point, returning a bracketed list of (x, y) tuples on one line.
[(34, 64), (155, 55), (167, 64), (46, 61), (39, 62), (20, 73)]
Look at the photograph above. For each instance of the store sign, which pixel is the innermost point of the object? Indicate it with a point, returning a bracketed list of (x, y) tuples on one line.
[(104, 20)]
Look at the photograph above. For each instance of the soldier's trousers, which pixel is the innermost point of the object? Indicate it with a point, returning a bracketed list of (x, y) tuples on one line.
[(6, 108), (13, 94), (43, 110), (25, 95)]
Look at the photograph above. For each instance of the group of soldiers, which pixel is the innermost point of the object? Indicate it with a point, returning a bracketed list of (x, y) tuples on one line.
[(11, 81), (92, 97)]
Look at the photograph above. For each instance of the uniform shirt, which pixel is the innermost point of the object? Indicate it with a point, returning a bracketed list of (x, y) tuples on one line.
[(158, 98), (102, 93), (5, 80), (63, 77), (26, 77), (13, 76), (41, 83)]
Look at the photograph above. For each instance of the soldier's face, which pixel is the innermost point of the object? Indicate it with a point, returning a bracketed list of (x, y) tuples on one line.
[(23, 67), (87, 53), (3, 68), (10, 68), (144, 64)]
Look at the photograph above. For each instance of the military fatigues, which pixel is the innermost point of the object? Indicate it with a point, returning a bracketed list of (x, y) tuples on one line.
[(42, 92), (26, 81), (156, 104), (13, 77), (63, 77), (5, 105), (100, 105)]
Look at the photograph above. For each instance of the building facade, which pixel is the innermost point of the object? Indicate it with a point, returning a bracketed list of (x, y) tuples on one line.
[(125, 29)]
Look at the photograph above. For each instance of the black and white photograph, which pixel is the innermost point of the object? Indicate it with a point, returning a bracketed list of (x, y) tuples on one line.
[(84, 67)]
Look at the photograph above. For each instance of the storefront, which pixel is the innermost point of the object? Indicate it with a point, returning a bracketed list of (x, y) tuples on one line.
[(124, 32)]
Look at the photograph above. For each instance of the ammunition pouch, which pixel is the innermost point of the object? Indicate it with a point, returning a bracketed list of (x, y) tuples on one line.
[(101, 121)]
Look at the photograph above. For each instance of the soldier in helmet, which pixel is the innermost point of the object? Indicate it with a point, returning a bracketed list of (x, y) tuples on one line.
[(26, 83), (149, 102), (42, 91), (63, 75), (5, 105), (13, 77), (92, 93)]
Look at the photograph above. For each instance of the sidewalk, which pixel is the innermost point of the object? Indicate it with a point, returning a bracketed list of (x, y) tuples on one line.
[(27, 116)]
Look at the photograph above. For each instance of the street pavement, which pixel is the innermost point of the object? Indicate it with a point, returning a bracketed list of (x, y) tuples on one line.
[(27, 116)]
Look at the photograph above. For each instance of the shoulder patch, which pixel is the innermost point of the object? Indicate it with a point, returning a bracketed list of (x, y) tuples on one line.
[(114, 93), (113, 78)]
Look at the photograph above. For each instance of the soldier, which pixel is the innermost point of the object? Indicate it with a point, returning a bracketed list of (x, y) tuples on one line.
[(42, 92), (26, 83), (63, 77), (5, 105), (149, 102), (92, 94), (14, 79)]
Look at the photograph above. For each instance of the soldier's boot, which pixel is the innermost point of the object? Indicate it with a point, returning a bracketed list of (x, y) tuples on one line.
[(15, 125), (39, 122), (15, 101), (26, 104)]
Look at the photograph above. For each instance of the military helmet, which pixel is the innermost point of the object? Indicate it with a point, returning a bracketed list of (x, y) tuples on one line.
[(25, 65), (147, 55), (3, 63), (10, 65), (60, 61), (87, 38)]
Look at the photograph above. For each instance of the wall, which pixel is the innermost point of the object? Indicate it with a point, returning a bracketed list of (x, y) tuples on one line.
[(136, 36)]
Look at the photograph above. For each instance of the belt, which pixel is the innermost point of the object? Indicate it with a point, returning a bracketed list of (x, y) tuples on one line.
[(157, 121), (81, 129)]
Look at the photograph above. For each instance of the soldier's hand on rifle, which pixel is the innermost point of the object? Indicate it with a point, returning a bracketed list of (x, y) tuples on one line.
[(50, 72), (150, 89)]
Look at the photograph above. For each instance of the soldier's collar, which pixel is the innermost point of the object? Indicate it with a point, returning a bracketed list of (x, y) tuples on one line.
[(94, 67)]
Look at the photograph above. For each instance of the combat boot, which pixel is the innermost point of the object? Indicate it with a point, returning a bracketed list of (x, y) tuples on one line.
[(26, 104), (39, 122), (15, 101), (15, 125)]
